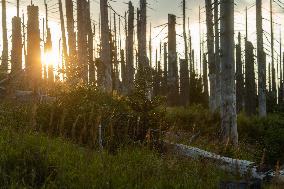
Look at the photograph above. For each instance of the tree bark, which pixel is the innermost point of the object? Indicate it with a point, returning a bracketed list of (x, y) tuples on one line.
[(129, 52), (5, 52), (228, 94), (106, 80), (260, 61), (172, 56), (211, 56)]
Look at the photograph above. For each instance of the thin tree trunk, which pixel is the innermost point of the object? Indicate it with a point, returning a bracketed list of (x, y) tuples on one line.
[(228, 94), (211, 56), (106, 80), (260, 62), (5, 52), (129, 52)]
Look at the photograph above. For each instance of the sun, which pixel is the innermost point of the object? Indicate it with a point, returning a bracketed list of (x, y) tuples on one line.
[(50, 58)]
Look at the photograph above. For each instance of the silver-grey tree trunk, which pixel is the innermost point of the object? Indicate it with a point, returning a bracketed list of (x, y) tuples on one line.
[(4, 64), (260, 61), (211, 56), (106, 80), (228, 90), (217, 53)]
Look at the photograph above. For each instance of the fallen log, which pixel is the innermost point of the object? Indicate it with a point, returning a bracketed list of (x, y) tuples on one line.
[(242, 167)]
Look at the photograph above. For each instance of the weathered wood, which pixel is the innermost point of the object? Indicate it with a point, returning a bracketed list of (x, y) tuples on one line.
[(211, 56), (239, 76), (129, 48), (34, 70), (16, 53), (63, 37), (228, 94), (273, 76), (242, 167), (205, 77), (105, 81), (172, 59), (71, 36), (260, 61), (4, 64), (250, 94), (184, 82), (217, 53), (82, 39), (91, 63)]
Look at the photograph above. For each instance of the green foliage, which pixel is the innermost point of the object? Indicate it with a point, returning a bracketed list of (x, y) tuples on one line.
[(34, 161), (79, 112), (194, 118), (264, 133)]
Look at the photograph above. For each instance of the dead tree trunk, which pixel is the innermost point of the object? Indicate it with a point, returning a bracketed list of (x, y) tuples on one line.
[(5, 52), (165, 72), (239, 76), (274, 90), (129, 46), (16, 54), (205, 78), (48, 48), (228, 94), (105, 69), (142, 40), (91, 63), (250, 98), (33, 48), (82, 39), (184, 82), (260, 61), (211, 56), (71, 36), (172, 56), (217, 53), (184, 32), (63, 33)]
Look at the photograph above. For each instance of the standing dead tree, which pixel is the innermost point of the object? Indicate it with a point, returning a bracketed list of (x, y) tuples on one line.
[(129, 49), (211, 56), (71, 38), (91, 63), (273, 76), (63, 36), (260, 61), (104, 69), (16, 53), (82, 40), (250, 94), (172, 57), (5, 52), (33, 64), (142, 39), (239, 76), (228, 94), (217, 53)]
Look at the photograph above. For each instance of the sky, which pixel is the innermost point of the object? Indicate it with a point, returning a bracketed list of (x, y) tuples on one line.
[(158, 11)]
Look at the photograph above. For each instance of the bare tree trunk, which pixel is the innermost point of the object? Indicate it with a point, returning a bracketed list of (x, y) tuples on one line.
[(142, 41), (172, 56), (106, 80), (91, 63), (5, 52), (217, 54), (129, 52), (260, 61), (184, 32), (33, 48), (165, 73), (228, 94), (71, 36), (63, 33), (274, 90), (239, 76), (250, 99), (211, 56), (16, 54)]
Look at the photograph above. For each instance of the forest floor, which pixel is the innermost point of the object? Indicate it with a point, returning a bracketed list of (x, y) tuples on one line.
[(38, 158)]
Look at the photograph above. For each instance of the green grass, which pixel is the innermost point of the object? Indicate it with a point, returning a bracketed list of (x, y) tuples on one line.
[(35, 161)]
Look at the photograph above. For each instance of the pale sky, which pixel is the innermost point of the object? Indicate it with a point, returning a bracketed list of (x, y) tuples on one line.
[(157, 15)]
